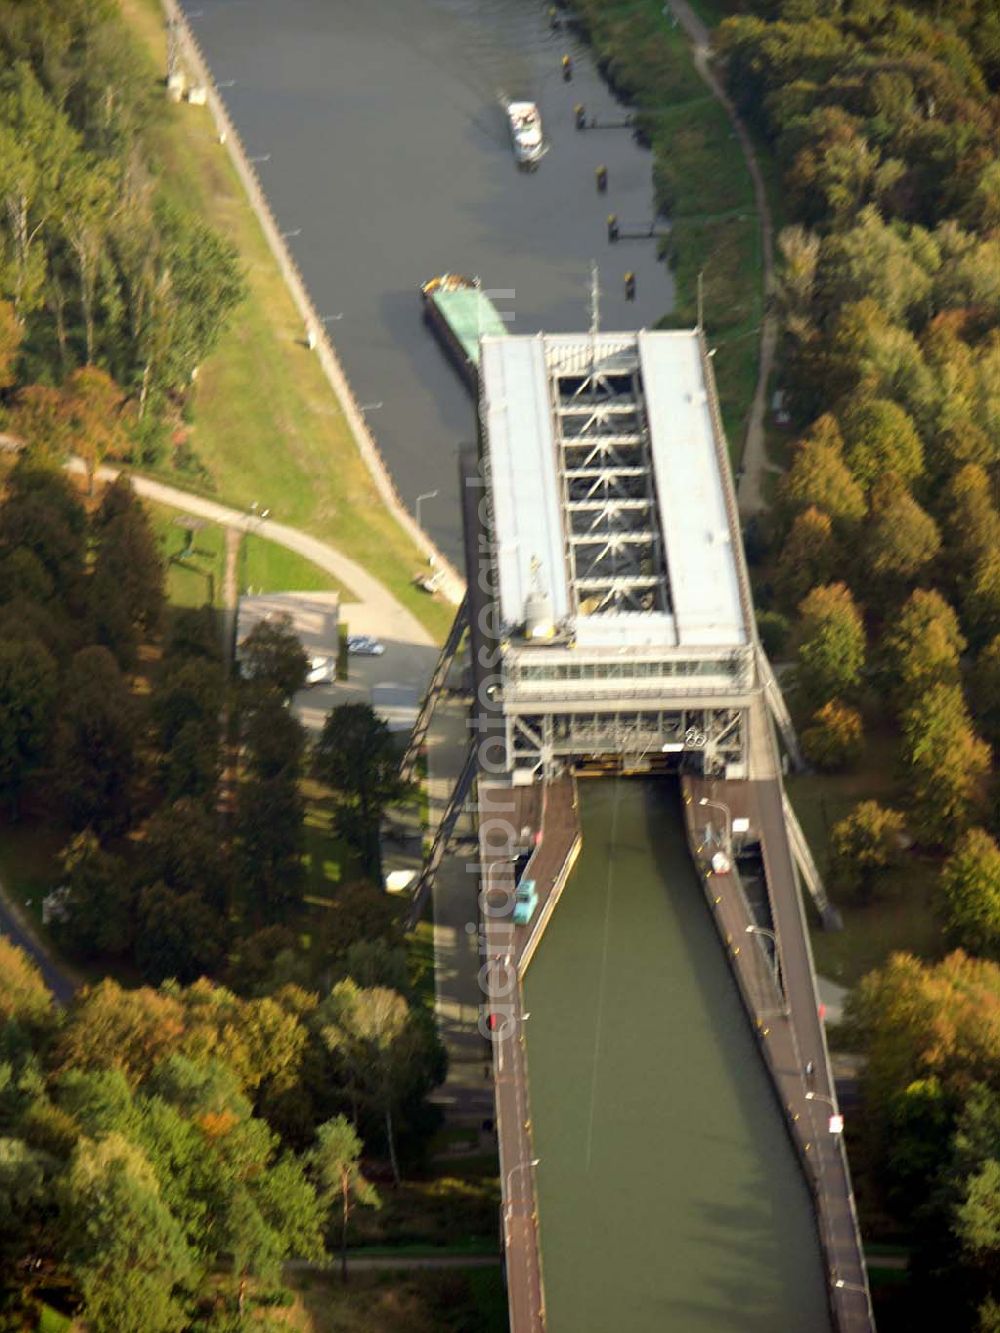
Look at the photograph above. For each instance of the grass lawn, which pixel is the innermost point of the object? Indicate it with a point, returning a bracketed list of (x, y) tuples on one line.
[(262, 567), (267, 425), (420, 948), (414, 1302), (700, 182), (900, 916)]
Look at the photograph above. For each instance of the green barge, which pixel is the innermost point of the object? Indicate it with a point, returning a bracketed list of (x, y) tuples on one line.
[(460, 313)]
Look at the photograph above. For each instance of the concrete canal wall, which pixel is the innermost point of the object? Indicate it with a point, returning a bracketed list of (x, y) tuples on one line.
[(313, 329)]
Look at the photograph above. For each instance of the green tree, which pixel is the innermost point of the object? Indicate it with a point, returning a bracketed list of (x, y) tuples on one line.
[(864, 843), (835, 737), (180, 848), (922, 646), (36, 141), (124, 1247), (886, 263), (356, 756), (38, 417), (880, 438), (808, 557), (272, 657), (93, 404), (970, 889), (126, 583), (820, 478), (977, 1218), (334, 1163), (945, 764), (831, 636), (41, 514), (24, 997), (99, 903), (187, 690), (383, 1048), (28, 683), (900, 538), (969, 518), (177, 935), (272, 812), (985, 689), (84, 208), (95, 759)]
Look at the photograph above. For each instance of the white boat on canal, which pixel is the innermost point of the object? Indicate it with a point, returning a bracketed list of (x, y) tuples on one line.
[(526, 132)]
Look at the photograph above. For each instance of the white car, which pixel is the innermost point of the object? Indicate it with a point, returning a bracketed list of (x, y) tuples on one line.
[(363, 645), (322, 671)]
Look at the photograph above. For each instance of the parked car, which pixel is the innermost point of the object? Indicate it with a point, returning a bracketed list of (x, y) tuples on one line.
[(322, 670), (363, 645), (525, 902)]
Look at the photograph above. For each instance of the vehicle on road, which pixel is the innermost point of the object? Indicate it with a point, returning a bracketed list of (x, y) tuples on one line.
[(364, 645), (322, 670), (525, 902)]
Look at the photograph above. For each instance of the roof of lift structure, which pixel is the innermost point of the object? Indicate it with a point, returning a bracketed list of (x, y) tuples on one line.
[(608, 495)]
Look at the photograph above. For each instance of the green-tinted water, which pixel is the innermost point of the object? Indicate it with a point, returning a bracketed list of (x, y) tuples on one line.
[(670, 1199)]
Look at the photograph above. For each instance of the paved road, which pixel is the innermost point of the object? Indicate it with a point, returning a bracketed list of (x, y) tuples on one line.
[(13, 923), (361, 1260), (754, 462)]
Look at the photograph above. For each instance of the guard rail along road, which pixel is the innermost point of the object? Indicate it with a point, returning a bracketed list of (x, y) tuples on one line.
[(452, 586)]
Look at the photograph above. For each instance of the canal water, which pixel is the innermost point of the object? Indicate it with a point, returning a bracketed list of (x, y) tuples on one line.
[(389, 161), (669, 1197)]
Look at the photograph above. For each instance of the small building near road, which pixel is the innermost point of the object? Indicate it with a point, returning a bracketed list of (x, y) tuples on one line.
[(314, 616)]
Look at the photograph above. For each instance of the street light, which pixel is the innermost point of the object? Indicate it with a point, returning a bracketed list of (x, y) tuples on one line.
[(521, 1166), (427, 495), (718, 805), (763, 930), (836, 1120)]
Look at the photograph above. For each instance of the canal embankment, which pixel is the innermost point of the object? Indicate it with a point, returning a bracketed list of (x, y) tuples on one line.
[(264, 424), (315, 336)]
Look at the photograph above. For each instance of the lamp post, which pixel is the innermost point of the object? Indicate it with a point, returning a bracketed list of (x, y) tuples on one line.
[(727, 816), (521, 1166), (841, 1285), (427, 495), (836, 1120), (763, 930)]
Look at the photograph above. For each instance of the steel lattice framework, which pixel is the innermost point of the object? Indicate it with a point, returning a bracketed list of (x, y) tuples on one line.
[(614, 547)]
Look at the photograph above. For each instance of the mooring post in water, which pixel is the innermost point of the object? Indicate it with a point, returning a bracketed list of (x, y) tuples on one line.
[(555, 21), (601, 176), (567, 69), (612, 227), (629, 286), (580, 116)]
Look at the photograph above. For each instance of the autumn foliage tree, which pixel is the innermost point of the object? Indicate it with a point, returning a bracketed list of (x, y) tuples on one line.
[(867, 841), (970, 894), (831, 652), (945, 764), (835, 736)]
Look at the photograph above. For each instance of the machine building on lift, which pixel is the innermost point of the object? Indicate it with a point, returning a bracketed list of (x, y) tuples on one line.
[(619, 603)]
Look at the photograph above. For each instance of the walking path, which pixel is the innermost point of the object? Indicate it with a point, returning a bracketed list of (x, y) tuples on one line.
[(754, 463), (395, 620)]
